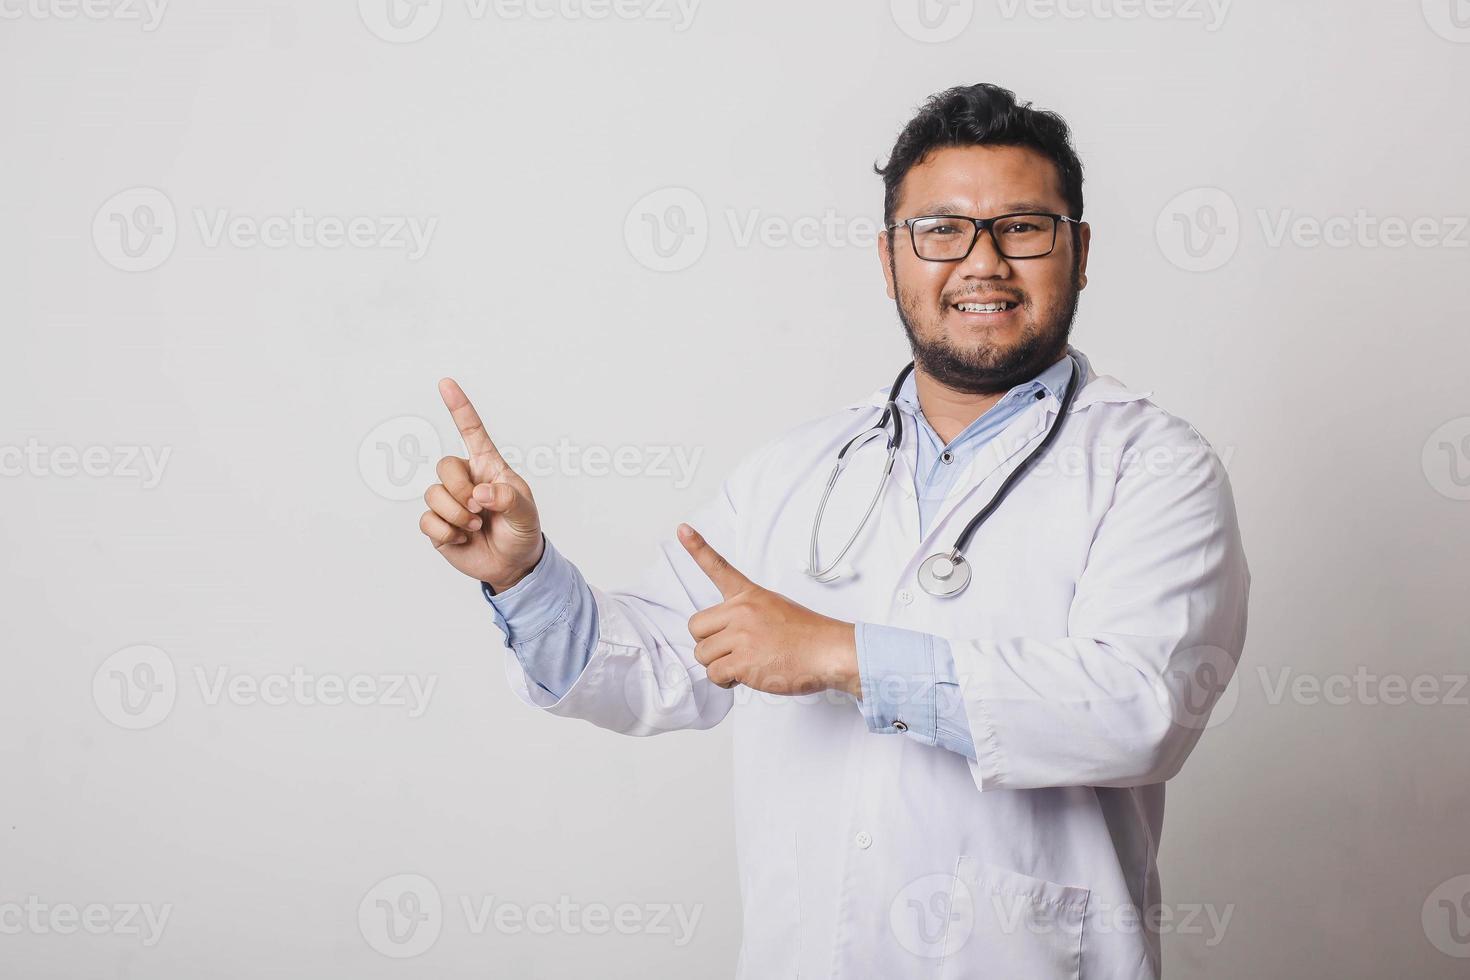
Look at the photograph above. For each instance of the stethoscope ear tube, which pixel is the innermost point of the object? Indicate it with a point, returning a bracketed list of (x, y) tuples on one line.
[(814, 568)]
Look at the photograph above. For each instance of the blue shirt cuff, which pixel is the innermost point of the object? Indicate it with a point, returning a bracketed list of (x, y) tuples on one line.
[(536, 602), (549, 619), (910, 685)]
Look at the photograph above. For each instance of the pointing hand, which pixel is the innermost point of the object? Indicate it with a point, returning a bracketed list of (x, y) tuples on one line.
[(762, 639), (481, 517)]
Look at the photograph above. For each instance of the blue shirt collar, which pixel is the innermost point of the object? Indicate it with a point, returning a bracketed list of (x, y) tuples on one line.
[(1053, 381)]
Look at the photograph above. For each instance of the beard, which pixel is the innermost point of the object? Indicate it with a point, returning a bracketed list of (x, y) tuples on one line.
[(986, 368)]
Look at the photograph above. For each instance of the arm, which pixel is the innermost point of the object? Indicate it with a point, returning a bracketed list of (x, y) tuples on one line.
[(1155, 629), (640, 676)]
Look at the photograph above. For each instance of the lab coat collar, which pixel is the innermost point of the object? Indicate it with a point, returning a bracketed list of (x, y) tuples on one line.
[(1096, 388)]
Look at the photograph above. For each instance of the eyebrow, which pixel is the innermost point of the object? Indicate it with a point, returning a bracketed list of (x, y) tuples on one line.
[(950, 207)]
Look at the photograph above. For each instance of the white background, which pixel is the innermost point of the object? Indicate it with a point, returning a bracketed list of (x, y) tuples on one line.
[(1331, 377)]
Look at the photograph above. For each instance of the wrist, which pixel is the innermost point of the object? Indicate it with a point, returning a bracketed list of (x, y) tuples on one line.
[(499, 585), (843, 674)]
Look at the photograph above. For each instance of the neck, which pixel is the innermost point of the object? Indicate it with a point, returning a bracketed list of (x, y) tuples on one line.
[(948, 411)]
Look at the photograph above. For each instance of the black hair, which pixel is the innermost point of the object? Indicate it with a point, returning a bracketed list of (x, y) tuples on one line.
[(970, 115)]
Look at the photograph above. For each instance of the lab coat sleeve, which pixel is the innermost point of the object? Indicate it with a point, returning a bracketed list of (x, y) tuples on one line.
[(641, 677), (1155, 630)]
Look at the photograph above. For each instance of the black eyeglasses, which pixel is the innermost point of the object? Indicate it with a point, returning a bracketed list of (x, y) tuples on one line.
[(951, 237)]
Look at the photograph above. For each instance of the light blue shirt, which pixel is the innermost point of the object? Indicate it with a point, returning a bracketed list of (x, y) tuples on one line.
[(909, 681)]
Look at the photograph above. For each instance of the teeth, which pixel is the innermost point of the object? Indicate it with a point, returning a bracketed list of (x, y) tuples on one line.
[(983, 307)]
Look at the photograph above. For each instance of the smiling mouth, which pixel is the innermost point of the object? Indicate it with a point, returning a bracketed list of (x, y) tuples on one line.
[(985, 309)]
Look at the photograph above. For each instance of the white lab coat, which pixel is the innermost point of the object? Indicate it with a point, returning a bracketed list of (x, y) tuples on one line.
[(1106, 612)]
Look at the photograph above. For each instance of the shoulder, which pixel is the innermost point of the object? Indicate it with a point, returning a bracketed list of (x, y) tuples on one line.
[(1146, 448)]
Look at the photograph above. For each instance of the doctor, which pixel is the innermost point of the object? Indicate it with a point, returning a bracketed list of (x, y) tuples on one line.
[(933, 777)]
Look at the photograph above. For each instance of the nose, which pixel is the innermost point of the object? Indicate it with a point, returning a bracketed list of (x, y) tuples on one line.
[(984, 260)]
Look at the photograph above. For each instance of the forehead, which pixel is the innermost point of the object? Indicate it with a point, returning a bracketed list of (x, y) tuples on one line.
[(980, 180)]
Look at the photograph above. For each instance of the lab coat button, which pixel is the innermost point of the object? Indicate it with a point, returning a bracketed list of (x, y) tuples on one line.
[(906, 597), (864, 839)]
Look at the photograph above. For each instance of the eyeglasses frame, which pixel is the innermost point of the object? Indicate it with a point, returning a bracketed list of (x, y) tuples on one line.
[(981, 226)]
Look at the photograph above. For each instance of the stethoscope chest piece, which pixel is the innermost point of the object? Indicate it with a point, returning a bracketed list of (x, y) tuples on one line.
[(944, 574)]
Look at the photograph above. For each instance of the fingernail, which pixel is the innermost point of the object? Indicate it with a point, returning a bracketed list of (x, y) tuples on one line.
[(475, 524)]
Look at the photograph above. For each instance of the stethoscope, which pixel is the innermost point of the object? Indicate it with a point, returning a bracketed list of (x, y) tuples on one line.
[(945, 573)]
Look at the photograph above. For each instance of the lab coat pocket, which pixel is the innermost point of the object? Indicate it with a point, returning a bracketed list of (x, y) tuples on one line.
[(1006, 924)]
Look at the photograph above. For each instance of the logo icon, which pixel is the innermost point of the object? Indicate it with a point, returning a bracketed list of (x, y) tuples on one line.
[(397, 458), (931, 914), (400, 21), (135, 230), (401, 916), (1446, 459), (1199, 230), (1450, 19), (1446, 917), (1195, 690), (135, 688), (932, 21), (667, 230), (648, 689)]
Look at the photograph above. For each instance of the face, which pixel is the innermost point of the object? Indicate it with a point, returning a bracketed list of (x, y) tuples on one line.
[(984, 353)]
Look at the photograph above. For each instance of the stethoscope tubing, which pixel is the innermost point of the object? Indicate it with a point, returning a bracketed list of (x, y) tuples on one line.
[(962, 541)]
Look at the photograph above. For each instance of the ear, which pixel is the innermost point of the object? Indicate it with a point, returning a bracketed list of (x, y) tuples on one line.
[(1084, 245), (885, 256)]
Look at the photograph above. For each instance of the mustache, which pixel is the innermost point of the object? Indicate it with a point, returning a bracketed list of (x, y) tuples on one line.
[(990, 296)]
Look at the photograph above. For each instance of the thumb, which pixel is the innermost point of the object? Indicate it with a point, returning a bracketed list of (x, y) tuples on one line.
[(510, 503), (727, 577)]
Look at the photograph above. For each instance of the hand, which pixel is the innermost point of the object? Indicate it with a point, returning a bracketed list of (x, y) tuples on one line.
[(482, 517), (762, 639)]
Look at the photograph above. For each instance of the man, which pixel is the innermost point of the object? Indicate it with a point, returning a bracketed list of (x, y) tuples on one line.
[(927, 784)]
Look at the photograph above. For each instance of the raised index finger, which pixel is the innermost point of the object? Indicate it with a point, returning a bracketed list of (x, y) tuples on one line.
[(727, 577), (471, 429)]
